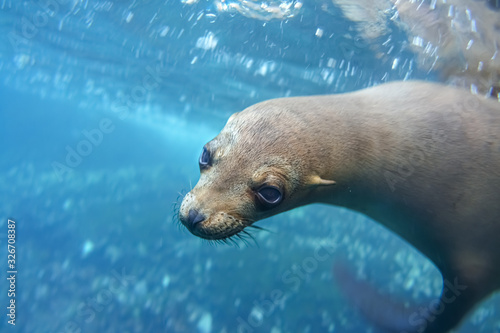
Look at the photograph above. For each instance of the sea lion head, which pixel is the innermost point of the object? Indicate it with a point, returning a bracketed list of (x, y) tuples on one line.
[(258, 166)]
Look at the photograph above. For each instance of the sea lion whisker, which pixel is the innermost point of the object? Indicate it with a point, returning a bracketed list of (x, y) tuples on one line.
[(245, 235), (181, 194), (261, 228), (229, 241), (242, 239), (176, 214), (213, 242), (233, 241)]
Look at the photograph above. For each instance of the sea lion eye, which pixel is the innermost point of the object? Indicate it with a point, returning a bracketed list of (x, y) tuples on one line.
[(269, 196), (204, 160)]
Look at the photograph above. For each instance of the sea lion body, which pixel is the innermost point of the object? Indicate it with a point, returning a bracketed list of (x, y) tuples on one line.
[(421, 158)]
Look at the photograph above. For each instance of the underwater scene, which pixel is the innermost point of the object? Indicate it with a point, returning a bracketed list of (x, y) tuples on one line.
[(105, 107)]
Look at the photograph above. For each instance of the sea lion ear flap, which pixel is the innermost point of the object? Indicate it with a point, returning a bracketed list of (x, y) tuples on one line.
[(318, 181)]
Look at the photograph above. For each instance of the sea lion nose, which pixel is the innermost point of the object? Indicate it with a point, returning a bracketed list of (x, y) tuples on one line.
[(194, 217)]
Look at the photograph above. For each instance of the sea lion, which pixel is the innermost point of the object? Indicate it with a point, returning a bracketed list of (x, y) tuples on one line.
[(421, 158)]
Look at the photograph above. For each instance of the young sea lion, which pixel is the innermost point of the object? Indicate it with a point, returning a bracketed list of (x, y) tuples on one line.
[(421, 158)]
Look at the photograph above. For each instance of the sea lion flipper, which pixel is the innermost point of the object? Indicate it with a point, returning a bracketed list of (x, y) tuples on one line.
[(379, 309), (436, 316)]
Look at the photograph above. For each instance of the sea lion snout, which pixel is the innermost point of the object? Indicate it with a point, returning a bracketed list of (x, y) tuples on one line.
[(194, 217), (208, 218), (190, 214)]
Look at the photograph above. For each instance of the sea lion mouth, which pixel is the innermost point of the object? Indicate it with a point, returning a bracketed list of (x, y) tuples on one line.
[(231, 236), (209, 233), (220, 226)]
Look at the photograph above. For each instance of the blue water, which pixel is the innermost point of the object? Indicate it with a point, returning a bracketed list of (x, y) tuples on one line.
[(104, 108)]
